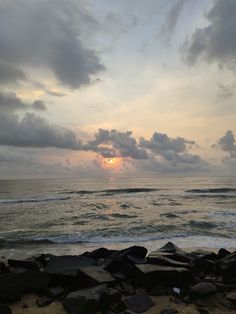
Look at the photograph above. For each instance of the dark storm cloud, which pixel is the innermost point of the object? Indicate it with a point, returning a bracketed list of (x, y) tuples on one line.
[(160, 143), (10, 102), (228, 144), (215, 42), (45, 34)]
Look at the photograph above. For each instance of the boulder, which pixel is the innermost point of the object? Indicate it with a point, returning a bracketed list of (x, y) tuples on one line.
[(166, 261), (227, 267), (202, 289), (231, 296), (67, 265), (96, 275), (43, 301), (223, 253), (150, 275), (199, 265), (9, 295), (170, 247), (55, 292), (27, 281), (99, 253), (89, 293), (5, 309), (26, 264), (138, 303)]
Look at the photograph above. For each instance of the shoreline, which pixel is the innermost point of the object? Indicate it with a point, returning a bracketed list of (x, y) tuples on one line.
[(130, 280)]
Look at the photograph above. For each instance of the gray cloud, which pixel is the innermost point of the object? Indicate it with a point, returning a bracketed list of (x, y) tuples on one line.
[(215, 42), (46, 34), (228, 144), (171, 20), (10, 102)]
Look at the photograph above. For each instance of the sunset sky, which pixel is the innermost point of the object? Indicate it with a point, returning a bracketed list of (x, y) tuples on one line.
[(128, 87)]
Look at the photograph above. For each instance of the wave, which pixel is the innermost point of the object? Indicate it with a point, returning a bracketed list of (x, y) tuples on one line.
[(215, 190), (34, 199), (202, 224), (114, 191)]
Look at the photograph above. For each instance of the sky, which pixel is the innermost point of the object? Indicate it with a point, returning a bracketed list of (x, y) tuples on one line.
[(125, 88)]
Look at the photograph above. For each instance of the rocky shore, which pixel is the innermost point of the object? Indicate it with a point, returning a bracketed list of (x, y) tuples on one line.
[(167, 281)]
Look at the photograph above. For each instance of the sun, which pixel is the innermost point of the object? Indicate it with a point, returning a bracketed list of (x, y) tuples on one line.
[(113, 163)]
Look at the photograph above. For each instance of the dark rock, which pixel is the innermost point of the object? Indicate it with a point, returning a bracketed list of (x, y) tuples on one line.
[(80, 306), (169, 311), (162, 260), (125, 288), (28, 281), (202, 265), (67, 265), (202, 289), (115, 295), (223, 253), (227, 267), (170, 247), (138, 303), (231, 296), (97, 274), (99, 253), (26, 264), (9, 295), (43, 301), (216, 300), (90, 293), (151, 275), (135, 251), (202, 311), (158, 290), (5, 309), (55, 292)]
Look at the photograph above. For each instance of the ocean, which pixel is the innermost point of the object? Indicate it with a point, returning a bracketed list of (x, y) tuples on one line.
[(70, 216)]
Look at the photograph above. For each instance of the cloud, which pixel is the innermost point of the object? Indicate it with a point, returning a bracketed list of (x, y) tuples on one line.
[(45, 34), (215, 42), (228, 144), (171, 20), (10, 102)]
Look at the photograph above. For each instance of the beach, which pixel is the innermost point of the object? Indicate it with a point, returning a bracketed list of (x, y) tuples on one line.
[(133, 280)]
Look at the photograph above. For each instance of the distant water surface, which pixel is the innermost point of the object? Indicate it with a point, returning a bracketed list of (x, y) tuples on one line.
[(71, 216)]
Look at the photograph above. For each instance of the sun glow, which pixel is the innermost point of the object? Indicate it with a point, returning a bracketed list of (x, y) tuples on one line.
[(112, 163)]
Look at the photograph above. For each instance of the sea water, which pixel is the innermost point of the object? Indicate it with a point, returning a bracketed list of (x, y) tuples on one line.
[(69, 216)]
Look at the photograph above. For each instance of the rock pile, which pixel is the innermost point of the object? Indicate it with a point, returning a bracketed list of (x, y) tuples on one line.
[(122, 281)]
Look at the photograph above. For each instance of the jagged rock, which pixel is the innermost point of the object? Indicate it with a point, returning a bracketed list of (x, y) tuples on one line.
[(138, 303), (227, 267), (150, 275), (170, 247), (231, 296), (25, 264), (68, 265), (97, 274), (169, 311), (134, 251), (125, 288), (27, 282), (55, 292), (80, 306), (8, 295), (199, 265), (99, 253), (203, 311), (5, 309), (43, 301), (90, 293), (202, 289), (223, 253), (166, 261)]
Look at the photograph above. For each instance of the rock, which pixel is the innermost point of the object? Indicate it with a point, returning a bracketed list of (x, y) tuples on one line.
[(43, 301), (99, 253), (203, 311), (223, 253), (114, 295), (96, 274), (227, 267), (5, 309), (199, 265), (26, 264), (138, 303), (125, 288), (202, 289), (80, 306), (27, 281), (162, 260), (169, 311), (134, 251), (231, 296), (9, 295), (67, 265), (150, 275), (55, 292), (170, 247), (90, 293)]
